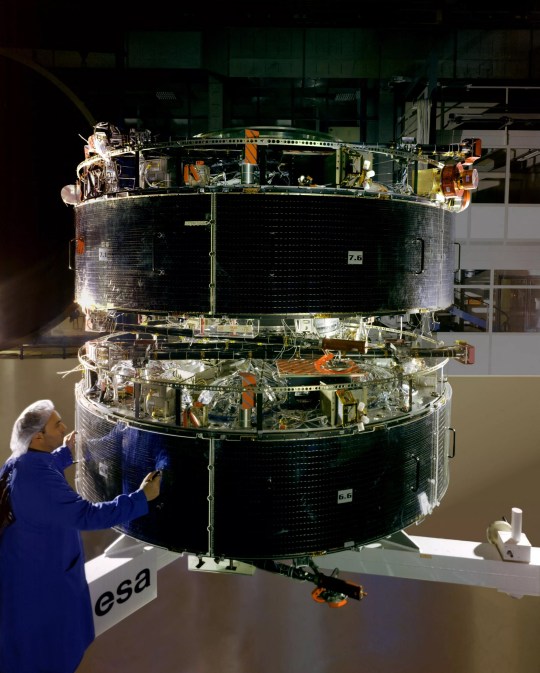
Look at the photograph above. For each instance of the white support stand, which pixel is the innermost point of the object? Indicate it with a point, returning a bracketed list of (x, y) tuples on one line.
[(126, 547), (124, 578), (507, 562)]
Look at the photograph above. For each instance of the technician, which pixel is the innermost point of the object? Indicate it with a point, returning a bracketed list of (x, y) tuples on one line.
[(46, 620)]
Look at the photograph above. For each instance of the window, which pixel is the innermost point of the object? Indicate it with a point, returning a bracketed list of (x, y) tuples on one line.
[(499, 300), (524, 176)]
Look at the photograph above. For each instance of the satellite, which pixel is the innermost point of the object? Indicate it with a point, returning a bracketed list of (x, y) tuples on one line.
[(264, 302)]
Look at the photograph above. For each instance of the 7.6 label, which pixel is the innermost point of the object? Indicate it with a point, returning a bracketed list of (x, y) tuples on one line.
[(355, 257)]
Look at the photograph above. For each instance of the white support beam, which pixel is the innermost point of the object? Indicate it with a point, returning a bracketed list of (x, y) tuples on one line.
[(439, 560), (124, 578)]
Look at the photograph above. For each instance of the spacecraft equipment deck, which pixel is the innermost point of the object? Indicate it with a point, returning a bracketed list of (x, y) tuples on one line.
[(263, 310)]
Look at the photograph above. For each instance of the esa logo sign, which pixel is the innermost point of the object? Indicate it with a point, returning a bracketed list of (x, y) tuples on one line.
[(124, 591), (120, 586)]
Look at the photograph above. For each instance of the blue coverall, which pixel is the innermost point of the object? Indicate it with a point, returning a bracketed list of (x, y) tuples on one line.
[(46, 620)]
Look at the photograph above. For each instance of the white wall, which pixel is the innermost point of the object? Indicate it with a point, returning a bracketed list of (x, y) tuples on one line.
[(27, 380)]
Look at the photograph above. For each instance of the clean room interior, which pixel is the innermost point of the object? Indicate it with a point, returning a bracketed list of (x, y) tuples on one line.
[(437, 74)]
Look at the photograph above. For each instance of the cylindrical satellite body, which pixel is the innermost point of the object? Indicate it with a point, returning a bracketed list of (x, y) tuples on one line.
[(265, 342)]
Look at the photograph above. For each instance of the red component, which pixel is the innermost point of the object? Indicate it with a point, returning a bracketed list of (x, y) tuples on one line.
[(475, 145), (458, 178), (321, 362), (344, 345), (249, 382), (468, 357), (337, 599), (320, 595), (189, 169), (251, 148)]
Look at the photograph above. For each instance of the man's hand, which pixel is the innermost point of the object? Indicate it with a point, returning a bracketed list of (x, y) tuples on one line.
[(151, 485), (69, 440)]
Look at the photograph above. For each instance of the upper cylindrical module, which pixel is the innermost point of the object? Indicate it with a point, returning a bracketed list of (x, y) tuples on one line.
[(277, 252), (310, 231)]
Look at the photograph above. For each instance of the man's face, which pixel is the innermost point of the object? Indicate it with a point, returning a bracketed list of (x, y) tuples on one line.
[(53, 433)]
